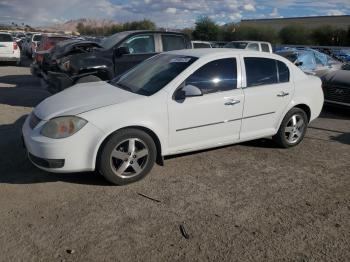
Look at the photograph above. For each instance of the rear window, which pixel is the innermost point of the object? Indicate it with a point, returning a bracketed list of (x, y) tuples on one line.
[(173, 42), (5, 38), (201, 45), (37, 38)]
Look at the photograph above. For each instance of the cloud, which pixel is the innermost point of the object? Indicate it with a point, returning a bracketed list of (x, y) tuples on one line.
[(165, 13), (335, 12), (249, 7)]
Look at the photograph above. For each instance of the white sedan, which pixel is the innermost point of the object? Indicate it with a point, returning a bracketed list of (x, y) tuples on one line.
[(174, 102)]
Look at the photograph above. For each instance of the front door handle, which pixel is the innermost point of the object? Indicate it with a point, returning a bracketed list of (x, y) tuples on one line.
[(283, 94), (232, 102)]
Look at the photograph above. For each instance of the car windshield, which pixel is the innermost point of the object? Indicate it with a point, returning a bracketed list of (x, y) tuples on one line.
[(238, 45), (111, 41), (153, 74), (37, 38), (5, 38)]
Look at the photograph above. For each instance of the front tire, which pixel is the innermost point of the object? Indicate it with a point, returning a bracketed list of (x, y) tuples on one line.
[(292, 129), (127, 156)]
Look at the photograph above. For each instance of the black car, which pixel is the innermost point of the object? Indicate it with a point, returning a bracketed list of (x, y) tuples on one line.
[(78, 61), (336, 88)]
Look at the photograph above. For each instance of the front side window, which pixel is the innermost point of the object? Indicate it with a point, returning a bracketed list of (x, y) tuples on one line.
[(173, 42), (260, 71), (254, 47), (153, 74), (215, 76), (265, 48), (140, 44)]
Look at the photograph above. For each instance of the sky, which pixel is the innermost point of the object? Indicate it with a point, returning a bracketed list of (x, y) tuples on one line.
[(165, 13)]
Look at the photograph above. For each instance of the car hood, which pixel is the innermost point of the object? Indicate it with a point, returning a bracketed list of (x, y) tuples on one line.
[(81, 98)]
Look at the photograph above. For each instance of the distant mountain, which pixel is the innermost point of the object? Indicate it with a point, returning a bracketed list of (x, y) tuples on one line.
[(71, 25)]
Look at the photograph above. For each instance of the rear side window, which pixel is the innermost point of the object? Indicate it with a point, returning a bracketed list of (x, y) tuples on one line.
[(260, 71), (283, 72), (5, 38), (173, 42), (265, 71), (265, 48), (215, 76), (254, 47), (201, 45)]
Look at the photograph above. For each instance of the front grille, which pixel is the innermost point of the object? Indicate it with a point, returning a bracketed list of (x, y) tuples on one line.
[(336, 93), (33, 121)]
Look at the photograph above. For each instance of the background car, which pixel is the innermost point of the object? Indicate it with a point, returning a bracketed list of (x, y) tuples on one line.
[(35, 40), (9, 50), (44, 47), (85, 61), (200, 44), (250, 45), (336, 88), (311, 61), (176, 102)]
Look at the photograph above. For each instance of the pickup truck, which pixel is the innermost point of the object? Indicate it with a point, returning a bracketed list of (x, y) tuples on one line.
[(250, 45), (76, 61)]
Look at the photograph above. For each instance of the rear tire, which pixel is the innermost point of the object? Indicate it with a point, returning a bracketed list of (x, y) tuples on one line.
[(127, 156), (292, 129), (88, 79)]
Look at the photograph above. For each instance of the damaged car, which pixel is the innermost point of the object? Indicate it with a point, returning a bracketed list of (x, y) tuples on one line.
[(86, 61)]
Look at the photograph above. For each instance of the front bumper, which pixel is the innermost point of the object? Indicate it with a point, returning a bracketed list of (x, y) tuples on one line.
[(76, 153)]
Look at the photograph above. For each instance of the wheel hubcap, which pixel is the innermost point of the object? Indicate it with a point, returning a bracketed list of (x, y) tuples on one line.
[(129, 158), (294, 129)]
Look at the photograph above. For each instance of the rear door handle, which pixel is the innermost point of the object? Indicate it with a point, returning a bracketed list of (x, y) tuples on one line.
[(282, 94), (232, 102)]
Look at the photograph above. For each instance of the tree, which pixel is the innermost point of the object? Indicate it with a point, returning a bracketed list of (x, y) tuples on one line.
[(206, 29), (295, 34), (327, 35)]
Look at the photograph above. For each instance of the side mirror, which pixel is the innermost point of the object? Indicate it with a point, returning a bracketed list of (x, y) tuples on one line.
[(120, 51), (298, 63), (187, 91)]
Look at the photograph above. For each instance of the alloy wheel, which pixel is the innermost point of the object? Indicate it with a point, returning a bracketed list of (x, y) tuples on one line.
[(294, 129), (129, 158)]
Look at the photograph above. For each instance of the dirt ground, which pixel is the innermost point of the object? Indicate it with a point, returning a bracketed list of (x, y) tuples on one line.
[(247, 202)]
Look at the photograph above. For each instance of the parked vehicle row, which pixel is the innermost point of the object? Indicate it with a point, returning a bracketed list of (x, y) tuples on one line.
[(174, 102)]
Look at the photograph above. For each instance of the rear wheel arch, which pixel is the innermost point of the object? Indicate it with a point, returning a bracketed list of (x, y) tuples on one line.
[(151, 133), (306, 109)]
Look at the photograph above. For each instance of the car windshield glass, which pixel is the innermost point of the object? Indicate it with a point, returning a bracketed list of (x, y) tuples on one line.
[(111, 41), (153, 74), (238, 45), (5, 38), (37, 38)]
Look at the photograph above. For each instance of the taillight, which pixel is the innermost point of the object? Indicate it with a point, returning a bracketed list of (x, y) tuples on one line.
[(15, 46)]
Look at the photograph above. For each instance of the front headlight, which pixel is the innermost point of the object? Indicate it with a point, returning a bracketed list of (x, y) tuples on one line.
[(62, 127)]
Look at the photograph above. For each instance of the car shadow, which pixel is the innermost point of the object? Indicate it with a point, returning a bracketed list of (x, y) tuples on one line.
[(21, 90), (15, 168)]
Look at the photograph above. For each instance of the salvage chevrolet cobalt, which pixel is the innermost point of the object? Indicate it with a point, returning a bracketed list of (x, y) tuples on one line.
[(175, 102)]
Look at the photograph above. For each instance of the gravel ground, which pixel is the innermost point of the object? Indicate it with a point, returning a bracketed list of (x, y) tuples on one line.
[(247, 202)]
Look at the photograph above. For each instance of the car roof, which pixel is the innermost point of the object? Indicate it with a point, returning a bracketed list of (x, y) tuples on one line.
[(207, 52)]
